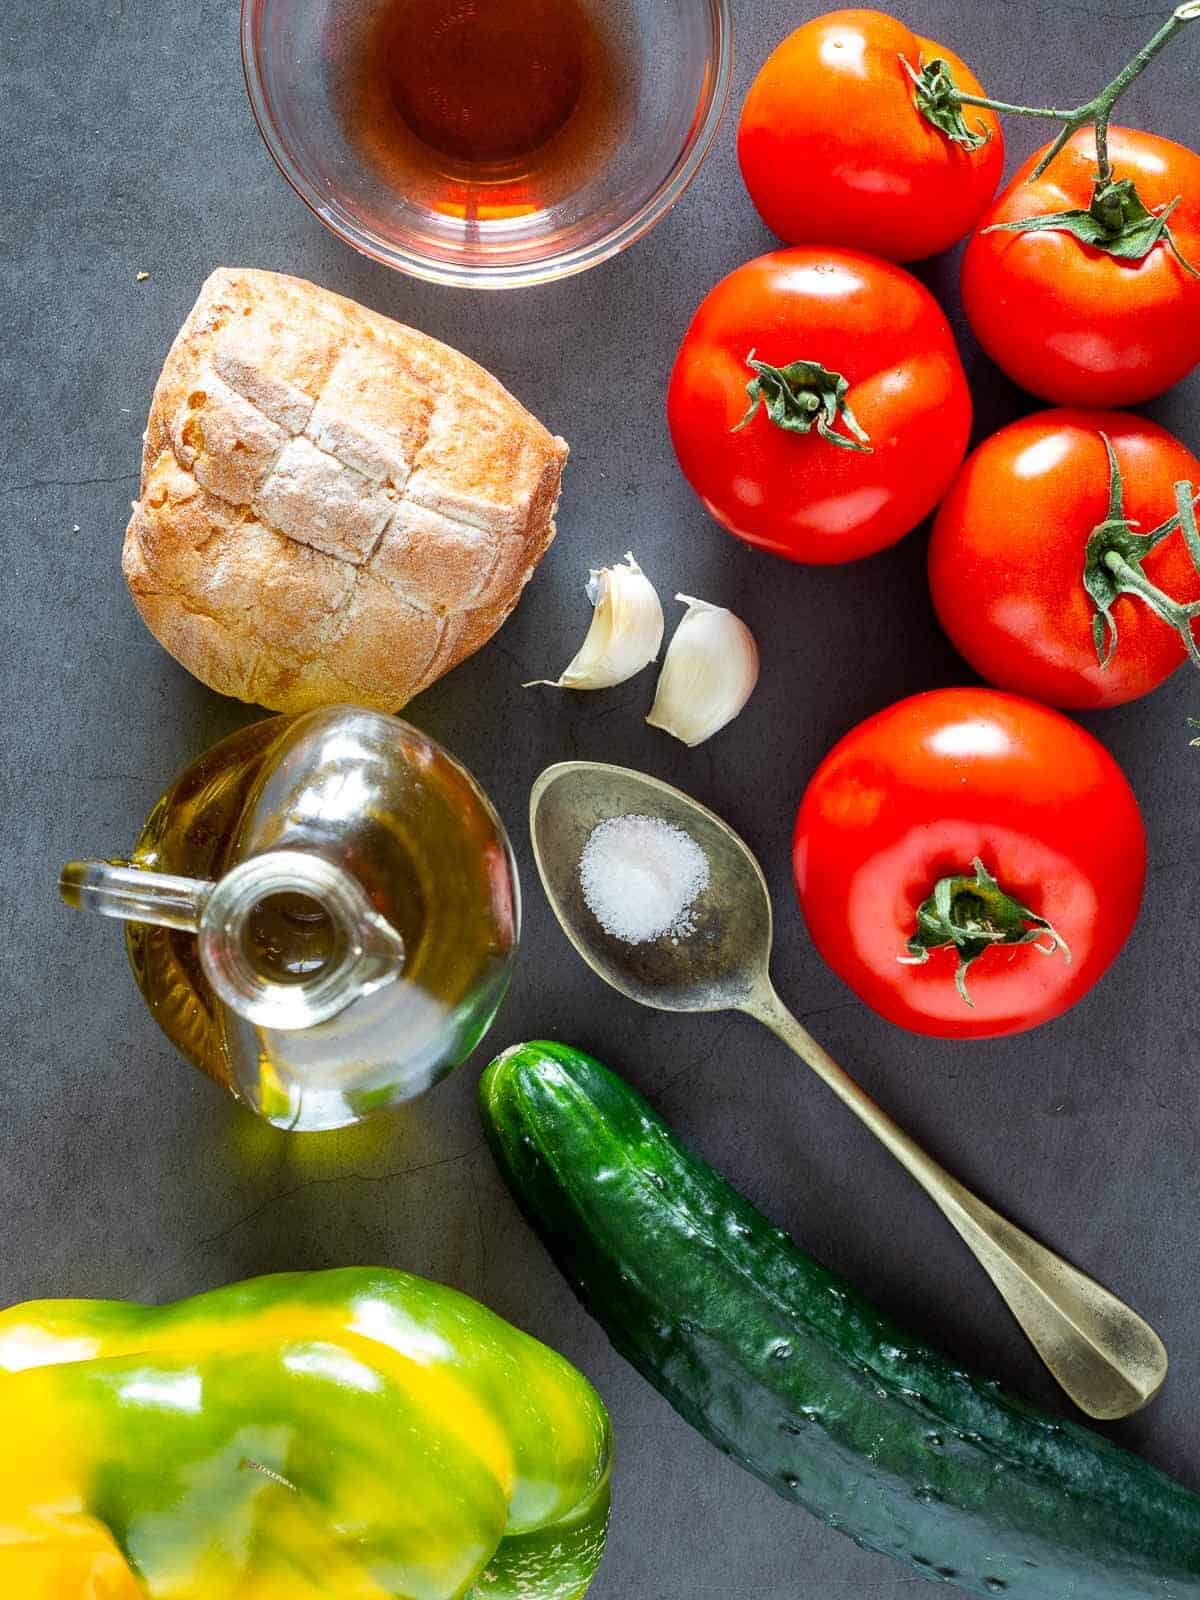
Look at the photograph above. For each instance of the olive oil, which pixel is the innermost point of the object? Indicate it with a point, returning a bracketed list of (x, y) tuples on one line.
[(374, 934)]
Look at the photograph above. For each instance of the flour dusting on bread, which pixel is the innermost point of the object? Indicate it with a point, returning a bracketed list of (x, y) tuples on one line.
[(333, 506)]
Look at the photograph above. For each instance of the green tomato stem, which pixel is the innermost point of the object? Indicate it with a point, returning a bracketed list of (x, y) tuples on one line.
[(1185, 506), (1130, 579), (1006, 107), (1098, 109), (1113, 565), (801, 395), (971, 914)]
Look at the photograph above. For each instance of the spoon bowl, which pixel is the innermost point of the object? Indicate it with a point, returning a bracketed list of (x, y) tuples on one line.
[(722, 960), (1103, 1354)]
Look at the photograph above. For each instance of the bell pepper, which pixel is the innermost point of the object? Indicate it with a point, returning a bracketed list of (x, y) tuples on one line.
[(356, 1434)]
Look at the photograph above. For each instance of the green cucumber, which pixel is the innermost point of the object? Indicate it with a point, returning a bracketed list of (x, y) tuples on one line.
[(788, 1369)]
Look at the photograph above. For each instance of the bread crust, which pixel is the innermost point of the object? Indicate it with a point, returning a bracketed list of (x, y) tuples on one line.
[(333, 506)]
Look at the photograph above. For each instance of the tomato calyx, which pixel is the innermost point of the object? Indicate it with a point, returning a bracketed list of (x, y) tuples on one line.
[(1116, 221), (801, 396), (971, 915), (936, 97), (1113, 559)]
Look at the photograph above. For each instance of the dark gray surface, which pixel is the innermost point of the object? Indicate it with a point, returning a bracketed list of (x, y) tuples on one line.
[(127, 146)]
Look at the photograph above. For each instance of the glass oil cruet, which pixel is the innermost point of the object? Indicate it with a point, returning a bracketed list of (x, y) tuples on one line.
[(322, 913)]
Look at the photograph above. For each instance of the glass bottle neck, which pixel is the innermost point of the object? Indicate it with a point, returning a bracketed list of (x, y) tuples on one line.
[(287, 939)]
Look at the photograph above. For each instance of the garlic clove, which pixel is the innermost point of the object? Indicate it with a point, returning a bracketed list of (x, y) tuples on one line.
[(710, 670), (626, 631)]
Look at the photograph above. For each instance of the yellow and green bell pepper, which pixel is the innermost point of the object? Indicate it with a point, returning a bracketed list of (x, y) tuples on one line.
[(357, 1434)]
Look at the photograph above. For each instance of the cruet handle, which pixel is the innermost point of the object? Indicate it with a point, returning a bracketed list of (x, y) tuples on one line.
[(117, 889)]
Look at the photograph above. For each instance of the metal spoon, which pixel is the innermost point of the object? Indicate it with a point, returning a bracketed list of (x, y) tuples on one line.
[(1106, 1358)]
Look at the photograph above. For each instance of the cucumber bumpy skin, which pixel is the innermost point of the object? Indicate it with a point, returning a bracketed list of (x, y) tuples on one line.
[(788, 1369)]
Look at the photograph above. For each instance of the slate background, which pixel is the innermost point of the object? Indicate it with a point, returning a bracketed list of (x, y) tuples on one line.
[(127, 145)]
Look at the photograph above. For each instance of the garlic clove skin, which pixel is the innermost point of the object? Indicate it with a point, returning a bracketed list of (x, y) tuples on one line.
[(626, 632), (709, 673)]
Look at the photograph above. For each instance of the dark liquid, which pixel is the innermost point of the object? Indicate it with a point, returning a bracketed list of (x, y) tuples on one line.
[(484, 80), (522, 97)]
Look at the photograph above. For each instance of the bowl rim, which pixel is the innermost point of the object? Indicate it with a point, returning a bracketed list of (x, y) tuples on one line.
[(341, 221)]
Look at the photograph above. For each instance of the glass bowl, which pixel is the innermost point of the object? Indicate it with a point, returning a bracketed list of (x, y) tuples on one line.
[(652, 97)]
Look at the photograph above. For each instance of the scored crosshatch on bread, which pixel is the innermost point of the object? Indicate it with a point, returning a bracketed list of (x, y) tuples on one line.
[(316, 499), (369, 418), (333, 505)]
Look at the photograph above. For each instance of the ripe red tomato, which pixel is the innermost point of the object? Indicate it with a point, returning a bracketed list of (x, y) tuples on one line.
[(834, 148), (1007, 557), (922, 792), (1069, 321), (811, 489)]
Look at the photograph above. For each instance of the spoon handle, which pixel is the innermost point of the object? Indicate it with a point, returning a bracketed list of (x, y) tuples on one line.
[(1104, 1355)]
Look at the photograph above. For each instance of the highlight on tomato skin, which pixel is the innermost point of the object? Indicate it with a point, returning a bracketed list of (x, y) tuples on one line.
[(1068, 321), (818, 405), (1010, 548), (834, 149), (920, 794)]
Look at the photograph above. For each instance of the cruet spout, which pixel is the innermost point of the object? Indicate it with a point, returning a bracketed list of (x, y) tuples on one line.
[(287, 939)]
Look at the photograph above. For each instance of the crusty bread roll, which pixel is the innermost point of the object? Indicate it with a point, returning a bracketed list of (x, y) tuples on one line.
[(333, 506)]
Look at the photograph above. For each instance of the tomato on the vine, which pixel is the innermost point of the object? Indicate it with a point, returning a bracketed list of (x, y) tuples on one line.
[(847, 136), (818, 405), (1026, 549), (1088, 323), (970, 863)]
